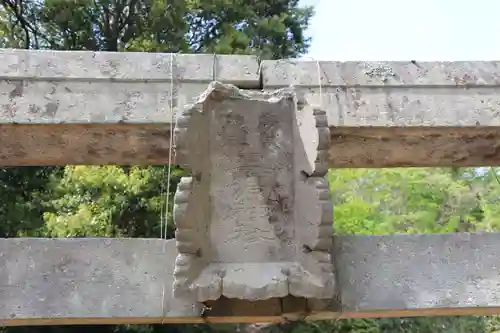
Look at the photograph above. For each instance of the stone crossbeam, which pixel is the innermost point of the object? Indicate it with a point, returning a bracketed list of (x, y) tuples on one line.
[(59, 107), (78, 107), (119, 281)]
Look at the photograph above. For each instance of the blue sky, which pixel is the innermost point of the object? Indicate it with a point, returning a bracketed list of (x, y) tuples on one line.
[(425, 30)]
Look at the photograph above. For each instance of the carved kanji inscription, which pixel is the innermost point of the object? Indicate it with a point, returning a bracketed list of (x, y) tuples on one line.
[(254, 220)]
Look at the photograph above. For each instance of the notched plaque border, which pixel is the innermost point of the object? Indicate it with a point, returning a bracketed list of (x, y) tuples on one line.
[(210, 264)]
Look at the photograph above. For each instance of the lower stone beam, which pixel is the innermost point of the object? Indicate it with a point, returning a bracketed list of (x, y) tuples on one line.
[(121, 281)]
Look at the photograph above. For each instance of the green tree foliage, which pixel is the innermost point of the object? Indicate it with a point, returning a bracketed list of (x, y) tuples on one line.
[(412, 200), (23, 194), (272, 29), (79, 201), (110, 201)]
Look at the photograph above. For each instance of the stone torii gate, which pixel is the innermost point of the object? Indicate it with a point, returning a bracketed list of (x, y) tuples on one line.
[(267, 254)]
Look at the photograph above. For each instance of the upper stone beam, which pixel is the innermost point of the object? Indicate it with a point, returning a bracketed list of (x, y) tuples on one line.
[(76, 107), (381, 114), (380, 73), (401, 114), (75, 87), (395, 94)]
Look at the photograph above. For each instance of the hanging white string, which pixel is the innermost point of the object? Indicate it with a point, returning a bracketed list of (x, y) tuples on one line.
[(162, 198), (259, 71), (214, 67), (164, 212), (320, 84), (170, 149)]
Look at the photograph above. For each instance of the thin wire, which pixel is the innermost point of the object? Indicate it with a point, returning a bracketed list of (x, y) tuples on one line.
[(214, 67), (494, 173), (320, 84), (169, 174), (259, 71), (172, 121), (162, 197)]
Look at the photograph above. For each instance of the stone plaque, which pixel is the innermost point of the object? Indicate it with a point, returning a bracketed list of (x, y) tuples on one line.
[(254, 220)]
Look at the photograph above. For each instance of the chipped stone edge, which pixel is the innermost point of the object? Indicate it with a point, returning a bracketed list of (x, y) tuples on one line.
[(319, 281), (190, 264), (301, 281), (322, 161), (186, 249)]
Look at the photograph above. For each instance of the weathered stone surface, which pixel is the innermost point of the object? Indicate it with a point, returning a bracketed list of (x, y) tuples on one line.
[(419, 272), (395, 93), (255, 219), (382, 147), (49, 102), (407, 106), (117, 281), (87, 278), (277, 73), (82, 87), (124, 144), (145, 144), (96, 88), (456, 102), (241, 70), (390, 114)]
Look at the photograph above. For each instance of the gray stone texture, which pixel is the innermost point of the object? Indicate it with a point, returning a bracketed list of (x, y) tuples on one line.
[(272, 237), (109, 87), (401, 114), (87, 98), (395, 93), (360, 98), (71, 281), (87, 278), (115, 108), (419, 272), (80, 86), (380, 73)]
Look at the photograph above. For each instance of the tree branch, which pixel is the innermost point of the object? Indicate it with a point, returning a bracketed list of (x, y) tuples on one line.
[(16, 8)]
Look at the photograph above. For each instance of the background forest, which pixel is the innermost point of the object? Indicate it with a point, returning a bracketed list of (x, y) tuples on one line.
[(79, 201)]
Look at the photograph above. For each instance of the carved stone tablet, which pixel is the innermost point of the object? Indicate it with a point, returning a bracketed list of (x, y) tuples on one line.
[(254, 221)]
